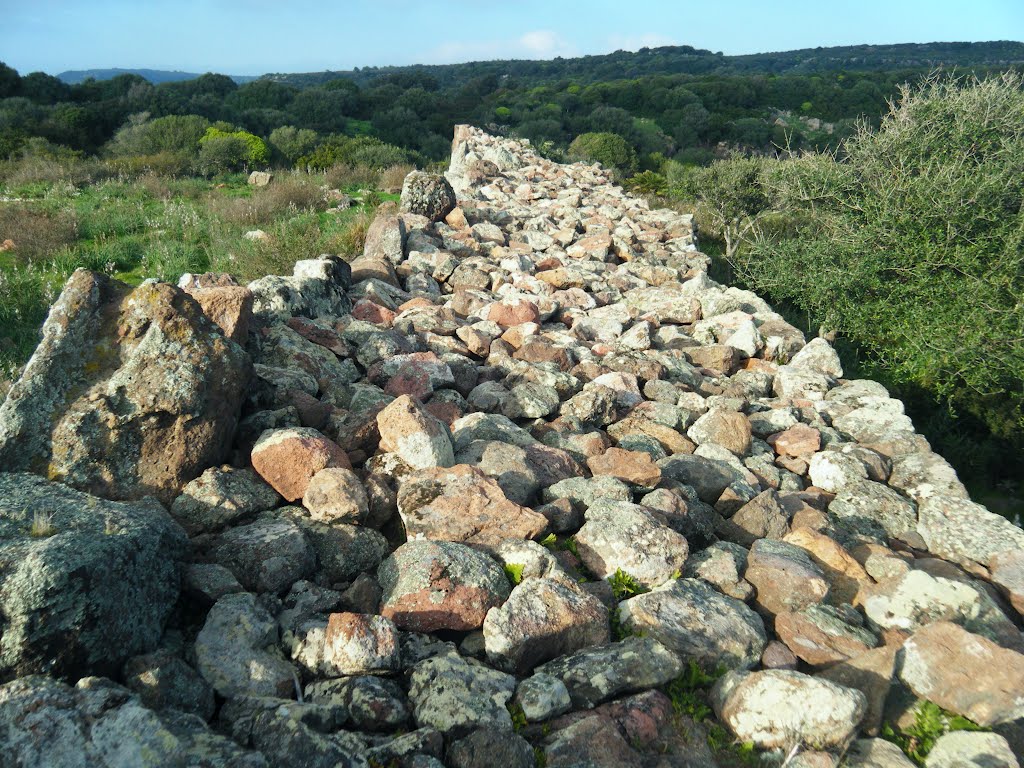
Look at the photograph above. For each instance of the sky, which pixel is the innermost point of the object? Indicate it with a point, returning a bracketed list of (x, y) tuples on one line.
[(253, 37)]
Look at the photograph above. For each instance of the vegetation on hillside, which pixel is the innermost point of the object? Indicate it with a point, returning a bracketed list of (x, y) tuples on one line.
[(902, 234), (910, 245)]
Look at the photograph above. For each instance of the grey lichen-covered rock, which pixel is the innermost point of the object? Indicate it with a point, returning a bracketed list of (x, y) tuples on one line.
[(456, 695), (870, 508), (293, 733), (966, 749), (163, 680), (84, 583), (542, 697), (778, 708), (964, 532), (427, 194), (132, 392), (876, 753), (372, 703), (628, 537), (342, 551), (594, 675), (698, 623), (916, 599), (219, 497), (317, 288), (432, 585), (346, 644), (44, 722), (266, 556), (542, 619), (236, 650)]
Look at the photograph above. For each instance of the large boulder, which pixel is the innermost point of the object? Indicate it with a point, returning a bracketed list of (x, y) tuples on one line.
[(44, 722), (316, 288), (132, 392), (427, 194), (84, 583)]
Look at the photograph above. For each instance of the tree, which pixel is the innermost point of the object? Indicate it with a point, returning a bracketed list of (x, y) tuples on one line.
[(731, 195), (291, 142), (913, 245), (177, 134), (609, 149), (222, 150)]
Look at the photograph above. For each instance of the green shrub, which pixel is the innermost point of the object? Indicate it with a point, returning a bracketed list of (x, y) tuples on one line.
[(609, 149), (912, 245)]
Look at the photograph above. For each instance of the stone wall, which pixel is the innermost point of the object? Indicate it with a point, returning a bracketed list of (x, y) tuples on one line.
[(502, 484)]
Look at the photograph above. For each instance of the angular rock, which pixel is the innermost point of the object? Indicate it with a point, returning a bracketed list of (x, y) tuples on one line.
[(778, 708), (964, 532), (429, 586), (265, 556), (219, 497), (634, 467), (542, 697), (131, 392), (44, 722), (411, 432), (163, 680), (819, 635), (288, 458), (784, 576), (316, 288), (729, 429), (964, 673), (427, 194), (964, 749), (627, 537), (594, 675), (462, 504), (698, 623), (236, 650), (541, 620), (876, 753), (335, 494), (456, 695), (84, 583), (347, 644)]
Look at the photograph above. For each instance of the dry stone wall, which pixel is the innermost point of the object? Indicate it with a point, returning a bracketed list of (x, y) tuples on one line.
[(496, 488)]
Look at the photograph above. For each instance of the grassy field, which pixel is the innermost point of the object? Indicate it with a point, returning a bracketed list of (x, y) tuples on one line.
[(61, 217)]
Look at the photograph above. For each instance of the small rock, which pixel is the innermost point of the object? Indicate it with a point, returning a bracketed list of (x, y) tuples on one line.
[(778, 708), (456, 696), (288, 458), (411, 432), (429, 586), (964, 749), (542, 619), (964, 673), (542, 697), (336, 495)]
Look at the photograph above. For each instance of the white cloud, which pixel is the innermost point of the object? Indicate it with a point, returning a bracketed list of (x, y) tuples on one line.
[(536, 44), (636, 42)]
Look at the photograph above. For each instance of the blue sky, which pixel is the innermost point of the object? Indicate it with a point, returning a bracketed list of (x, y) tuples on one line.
[(251, 37)]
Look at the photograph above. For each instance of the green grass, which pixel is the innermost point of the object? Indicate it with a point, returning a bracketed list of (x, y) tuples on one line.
[(156, 226)]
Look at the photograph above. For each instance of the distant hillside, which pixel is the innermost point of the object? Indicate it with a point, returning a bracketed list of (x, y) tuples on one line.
[(155, 76), (686, 60)]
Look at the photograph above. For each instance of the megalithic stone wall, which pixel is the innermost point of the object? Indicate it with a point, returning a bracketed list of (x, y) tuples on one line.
[(497, 483)]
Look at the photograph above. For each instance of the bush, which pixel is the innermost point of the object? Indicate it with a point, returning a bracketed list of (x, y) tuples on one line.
[(609, 149), (288, 194), (913, 244), (37, 234)]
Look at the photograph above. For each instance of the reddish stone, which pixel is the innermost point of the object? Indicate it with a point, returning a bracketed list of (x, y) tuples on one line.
[(719, 358), (535, 350), (513, 311), (288, 458), (631, 466), (799, 440), (327, 338), (417, 303), (373, 313), (462, 504), (229, 307)]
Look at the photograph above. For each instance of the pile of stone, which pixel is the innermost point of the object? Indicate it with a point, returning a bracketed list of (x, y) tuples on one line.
[(490, 493)]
